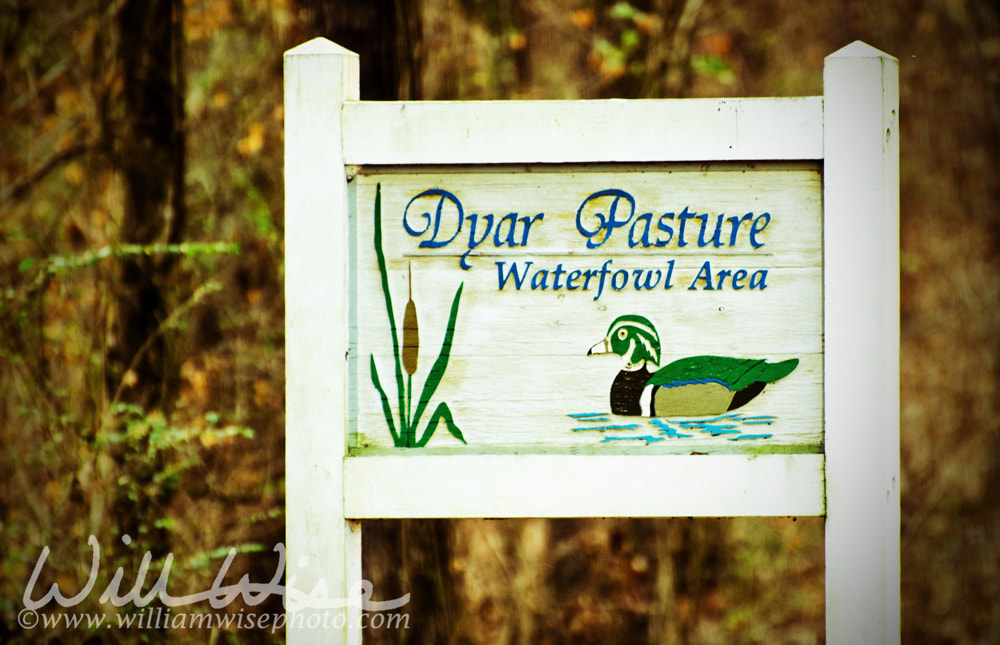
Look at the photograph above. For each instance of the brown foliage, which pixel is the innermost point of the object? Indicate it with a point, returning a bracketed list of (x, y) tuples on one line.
[(183, 473)]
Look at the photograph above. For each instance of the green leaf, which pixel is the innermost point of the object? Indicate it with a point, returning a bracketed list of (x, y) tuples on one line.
[(386, 410), (623, 11), (406, 429), (709, 65), (630, 39), (166, 523), (442, 412), (223, 551), (26, 264), (441, 364)]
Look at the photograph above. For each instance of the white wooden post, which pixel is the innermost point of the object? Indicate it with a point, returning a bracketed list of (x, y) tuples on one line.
[(861, 281), (323, 549)]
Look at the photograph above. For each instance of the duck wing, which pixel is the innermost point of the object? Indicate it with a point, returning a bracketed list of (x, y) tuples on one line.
[(734, 373)]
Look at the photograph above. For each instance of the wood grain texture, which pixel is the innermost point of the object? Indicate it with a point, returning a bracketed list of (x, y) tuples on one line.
[(490, 132), (322, 549), (861, 193), (519, 364), (583, 486)]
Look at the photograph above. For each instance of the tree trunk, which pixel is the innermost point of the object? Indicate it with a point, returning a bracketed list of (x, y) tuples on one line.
[(150, 142), (386, 34), (151, 145)]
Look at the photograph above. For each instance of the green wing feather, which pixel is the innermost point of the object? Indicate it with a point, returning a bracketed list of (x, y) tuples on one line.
[(736, 373)]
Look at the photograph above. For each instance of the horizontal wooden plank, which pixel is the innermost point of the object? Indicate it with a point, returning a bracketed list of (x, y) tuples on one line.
[(430, 132), (562, 485), (567, 207), (534, 413)]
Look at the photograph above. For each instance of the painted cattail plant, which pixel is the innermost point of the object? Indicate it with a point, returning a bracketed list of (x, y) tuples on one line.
[(404, 434)]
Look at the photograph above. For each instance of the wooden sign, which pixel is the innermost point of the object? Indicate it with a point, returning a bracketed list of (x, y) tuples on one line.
[(507, 309), (600, 309)]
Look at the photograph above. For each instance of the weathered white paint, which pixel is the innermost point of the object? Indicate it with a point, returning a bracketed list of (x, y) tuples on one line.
[(562, 485), (519, 361), (490, 132), (322, 549), (861, 143)]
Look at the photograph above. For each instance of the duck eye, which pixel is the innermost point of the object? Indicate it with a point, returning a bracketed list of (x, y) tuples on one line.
[(622, 333)]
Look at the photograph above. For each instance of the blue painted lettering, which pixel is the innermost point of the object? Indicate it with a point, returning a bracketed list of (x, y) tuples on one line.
[(736, 221), (524, 274), (759, 224), (666, 228), (571, 279), (650, 283), (512, 272), (473, 242), (758, 279), (442, 197), (509, 240), (603, 212), (559, 272), (528, 221), (683, 217), (617, 284), (438, 217), (738, 278), (647, 219), (704, 273), (604, 274), (605, 222), (716, 237)]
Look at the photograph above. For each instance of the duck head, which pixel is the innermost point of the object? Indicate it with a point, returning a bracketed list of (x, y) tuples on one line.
[(634, 339)]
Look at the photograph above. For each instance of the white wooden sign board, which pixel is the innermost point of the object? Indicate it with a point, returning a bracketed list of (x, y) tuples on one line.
[(537, 258)]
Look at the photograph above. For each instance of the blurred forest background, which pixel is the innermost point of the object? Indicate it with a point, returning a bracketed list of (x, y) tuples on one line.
[(141, 308)]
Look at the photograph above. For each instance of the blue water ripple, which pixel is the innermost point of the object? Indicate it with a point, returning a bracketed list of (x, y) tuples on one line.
[(626, 426)]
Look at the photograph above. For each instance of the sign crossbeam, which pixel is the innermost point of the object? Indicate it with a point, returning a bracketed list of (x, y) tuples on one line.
[(495, 132), (585, 485)]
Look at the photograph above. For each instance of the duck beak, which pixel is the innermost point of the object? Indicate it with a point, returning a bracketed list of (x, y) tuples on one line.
[(602, 347)]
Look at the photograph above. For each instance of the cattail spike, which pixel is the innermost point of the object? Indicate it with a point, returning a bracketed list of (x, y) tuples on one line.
[(411, 334)]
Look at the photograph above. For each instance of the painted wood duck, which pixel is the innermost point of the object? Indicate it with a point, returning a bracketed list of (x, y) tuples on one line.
[(693, 386)]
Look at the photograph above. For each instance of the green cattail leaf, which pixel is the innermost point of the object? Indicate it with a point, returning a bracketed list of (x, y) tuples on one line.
[(386, 410), (442, 413), (383, 274), (411, 338), (441, 364)]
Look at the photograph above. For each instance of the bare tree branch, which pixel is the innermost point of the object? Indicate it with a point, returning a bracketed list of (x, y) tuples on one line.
[(17, 190)]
